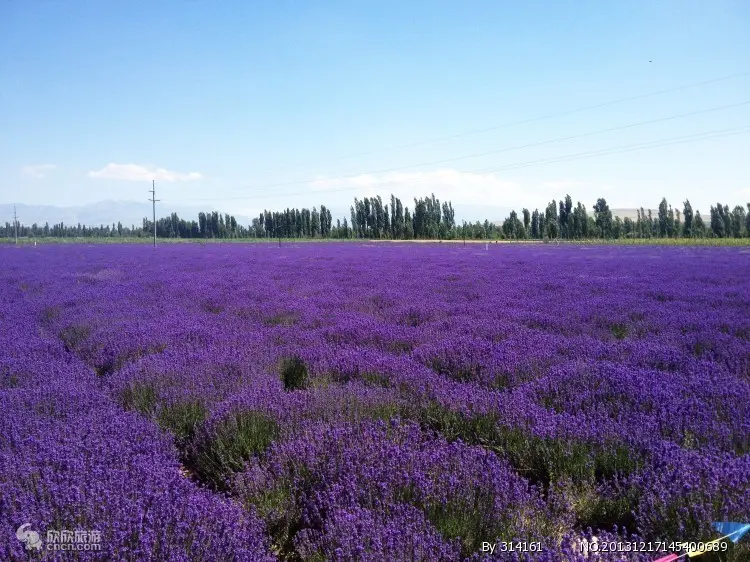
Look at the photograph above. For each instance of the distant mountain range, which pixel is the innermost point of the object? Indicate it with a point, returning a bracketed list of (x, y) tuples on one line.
[(105, 212), (632, 214)]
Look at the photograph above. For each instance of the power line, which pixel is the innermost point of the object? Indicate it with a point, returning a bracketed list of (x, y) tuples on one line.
[(630, 148), (511, 148), (153, 202), (515, 123), (684, 139), (602, 152)]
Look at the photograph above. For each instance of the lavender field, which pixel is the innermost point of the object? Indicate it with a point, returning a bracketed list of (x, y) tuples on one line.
[(373, 402)]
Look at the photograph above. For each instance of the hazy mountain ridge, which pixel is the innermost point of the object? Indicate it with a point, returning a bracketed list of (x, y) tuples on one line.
[(104, 212), (632, 214)]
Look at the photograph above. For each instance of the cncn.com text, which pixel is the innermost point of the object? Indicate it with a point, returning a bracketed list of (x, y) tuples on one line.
[(73, 547)]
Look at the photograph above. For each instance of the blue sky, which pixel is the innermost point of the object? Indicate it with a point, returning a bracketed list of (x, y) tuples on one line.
[(240, 105)]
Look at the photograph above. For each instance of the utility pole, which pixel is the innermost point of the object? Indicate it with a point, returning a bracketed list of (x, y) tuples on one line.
[(153, 201), (15, 222)]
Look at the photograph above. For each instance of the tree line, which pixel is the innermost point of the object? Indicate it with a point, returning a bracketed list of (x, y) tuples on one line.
[(369, 218), (209, 225), (563, 221), (429, 219)]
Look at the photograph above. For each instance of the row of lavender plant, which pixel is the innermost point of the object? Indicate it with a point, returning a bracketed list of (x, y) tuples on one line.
[(394, 402), (71, 459)]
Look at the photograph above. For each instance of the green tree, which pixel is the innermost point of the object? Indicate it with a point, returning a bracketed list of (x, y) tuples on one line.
[(550, 220), (699, 227), (738, 221), (314, 223), (663, 218), (565, 219), (628, 227), (687, 223), (726, 216), (408, 225), (449, 216), (603, 218), (718, 226), (394, 232), (512, 227), (617, 227)]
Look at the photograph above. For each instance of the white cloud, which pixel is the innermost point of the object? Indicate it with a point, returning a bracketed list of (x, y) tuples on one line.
[(488, 189), (445, 183), (576, 189), (37, 171), (135, 172)]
